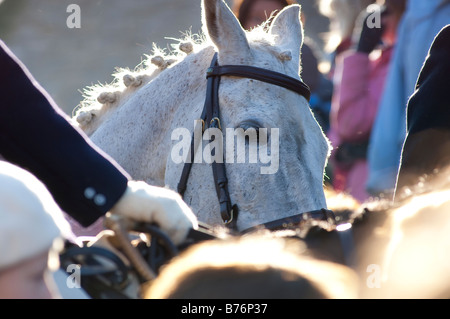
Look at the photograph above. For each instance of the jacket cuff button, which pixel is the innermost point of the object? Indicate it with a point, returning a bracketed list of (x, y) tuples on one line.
[(89, 193), (100, 199)]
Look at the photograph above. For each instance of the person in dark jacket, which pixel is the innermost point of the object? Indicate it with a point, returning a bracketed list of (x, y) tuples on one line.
[(426, 151), (36, 135)]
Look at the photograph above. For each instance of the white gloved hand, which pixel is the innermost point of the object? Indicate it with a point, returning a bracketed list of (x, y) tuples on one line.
[(152, 204)]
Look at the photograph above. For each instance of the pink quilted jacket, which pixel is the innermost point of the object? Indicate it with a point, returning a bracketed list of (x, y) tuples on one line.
[(358, 85)]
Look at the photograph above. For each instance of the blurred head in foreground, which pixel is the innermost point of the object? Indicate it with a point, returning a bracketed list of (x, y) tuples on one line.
[(251, 267), (32, 228)]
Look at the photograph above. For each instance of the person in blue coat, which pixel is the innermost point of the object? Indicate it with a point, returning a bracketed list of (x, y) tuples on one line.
[(426, 152), (35, 134), (420, 24)]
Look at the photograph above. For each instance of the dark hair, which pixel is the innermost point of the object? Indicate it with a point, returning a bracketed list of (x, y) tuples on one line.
[(245, 282), (260, 266), (242, 8)]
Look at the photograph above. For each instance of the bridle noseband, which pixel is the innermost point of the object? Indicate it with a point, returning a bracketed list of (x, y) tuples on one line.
[(211, 117)]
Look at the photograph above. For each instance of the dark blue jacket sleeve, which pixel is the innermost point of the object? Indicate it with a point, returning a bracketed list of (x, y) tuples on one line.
[(429, 106), (36, 135), (426, 151)]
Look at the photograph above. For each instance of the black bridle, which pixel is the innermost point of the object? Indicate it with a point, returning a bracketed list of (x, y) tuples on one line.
[(211, 116)]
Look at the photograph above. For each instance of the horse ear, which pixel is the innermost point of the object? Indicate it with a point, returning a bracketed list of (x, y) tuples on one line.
[(223, 28), (287, 29)]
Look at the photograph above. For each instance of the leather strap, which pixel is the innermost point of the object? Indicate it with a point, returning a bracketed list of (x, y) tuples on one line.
[(289, 222), (211, 116), (263, 75), (219, 172)]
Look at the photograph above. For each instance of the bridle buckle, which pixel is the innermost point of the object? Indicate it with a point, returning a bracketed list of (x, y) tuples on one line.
[(216, 121), (229, 221)]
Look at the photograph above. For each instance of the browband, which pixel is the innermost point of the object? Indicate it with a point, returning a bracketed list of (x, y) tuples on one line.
[(264, 75)]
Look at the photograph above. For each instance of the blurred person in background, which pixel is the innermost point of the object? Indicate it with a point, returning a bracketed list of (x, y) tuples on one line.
[(359, 79), (252, 13), (343, 15), (420, 24)]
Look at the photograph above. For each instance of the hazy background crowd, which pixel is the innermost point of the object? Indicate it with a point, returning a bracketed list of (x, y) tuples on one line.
[(113, 33)]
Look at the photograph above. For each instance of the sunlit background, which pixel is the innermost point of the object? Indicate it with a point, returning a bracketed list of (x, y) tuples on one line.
[(113, 33)]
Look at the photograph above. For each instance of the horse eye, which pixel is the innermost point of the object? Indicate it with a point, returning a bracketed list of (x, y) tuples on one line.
[(251, 125)]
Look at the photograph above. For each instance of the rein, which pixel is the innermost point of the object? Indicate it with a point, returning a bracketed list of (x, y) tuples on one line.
[(292, 221)]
